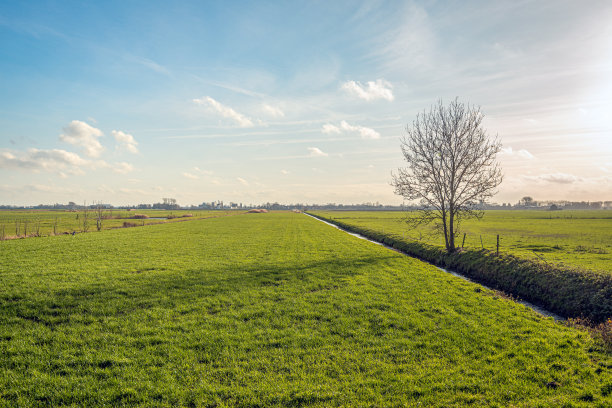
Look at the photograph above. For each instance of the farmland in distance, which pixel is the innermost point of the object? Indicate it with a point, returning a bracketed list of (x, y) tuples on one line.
[(35, 223)]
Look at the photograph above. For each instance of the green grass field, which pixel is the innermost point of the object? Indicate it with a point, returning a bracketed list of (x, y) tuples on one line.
[(272, 309), (22, 223), (576, 238)]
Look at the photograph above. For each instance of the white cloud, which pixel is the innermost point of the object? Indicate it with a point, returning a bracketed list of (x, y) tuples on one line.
[(273, 111), (371, 91), (242, 181), (522, 153), (225, 111), (285, 172), (316, 152), (81, 134), (557, 178), (364, 132), (126, 141), (48, 160), (329, 129), (122, 167), (58, 161), (190, 176), (205, 172)]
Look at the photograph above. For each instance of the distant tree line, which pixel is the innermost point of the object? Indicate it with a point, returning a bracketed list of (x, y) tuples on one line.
[(522, 204)]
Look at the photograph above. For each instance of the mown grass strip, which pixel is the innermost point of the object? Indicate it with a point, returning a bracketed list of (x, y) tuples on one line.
[(569, 292)]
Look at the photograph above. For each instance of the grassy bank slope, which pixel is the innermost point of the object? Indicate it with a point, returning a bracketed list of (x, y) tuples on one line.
[(269, 310), (567, 291), (578, 238)]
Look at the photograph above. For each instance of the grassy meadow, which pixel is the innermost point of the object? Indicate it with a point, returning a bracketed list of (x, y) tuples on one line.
[(578, 238), (273, 309), (34, 223)]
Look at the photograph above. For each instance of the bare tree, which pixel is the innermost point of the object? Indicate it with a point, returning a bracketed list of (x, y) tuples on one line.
[(85, 218), (451, 167), (99, 215)]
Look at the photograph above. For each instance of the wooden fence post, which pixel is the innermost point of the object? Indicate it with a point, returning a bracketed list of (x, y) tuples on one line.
[(481, 244), (497, 244), (463, 242)]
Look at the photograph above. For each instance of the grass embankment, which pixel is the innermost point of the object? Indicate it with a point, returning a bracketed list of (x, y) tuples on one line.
[(36, 223), (575, 238), (270, 310), (562, 289)]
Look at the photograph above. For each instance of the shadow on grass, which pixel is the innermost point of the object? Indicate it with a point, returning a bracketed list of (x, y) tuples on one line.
[(168, 289)]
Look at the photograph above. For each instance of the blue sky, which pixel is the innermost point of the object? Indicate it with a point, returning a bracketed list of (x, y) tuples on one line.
[(128, 102)]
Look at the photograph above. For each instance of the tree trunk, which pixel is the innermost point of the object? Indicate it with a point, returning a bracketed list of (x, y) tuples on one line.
[(451, 227), (445, 228)]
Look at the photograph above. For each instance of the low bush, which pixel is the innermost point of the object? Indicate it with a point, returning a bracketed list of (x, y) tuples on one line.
[(567, 291)]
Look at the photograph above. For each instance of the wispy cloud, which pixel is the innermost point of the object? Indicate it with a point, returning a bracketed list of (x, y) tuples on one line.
[(272, 111), (81, 134), (132, 191), (126, 141), (316, 152), (232, 88), (105, 189), (205, 172), (410, 43), (242, 181), (190, 176), (364, 132), (225, 111), (150, 64), (371, 91)]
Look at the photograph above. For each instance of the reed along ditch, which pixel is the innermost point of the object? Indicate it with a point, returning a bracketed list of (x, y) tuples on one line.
[(551, 290)]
